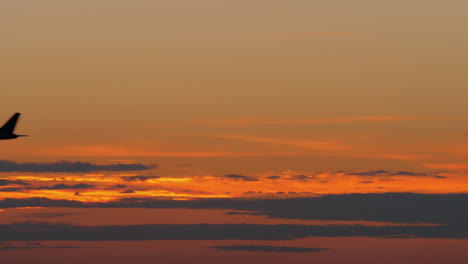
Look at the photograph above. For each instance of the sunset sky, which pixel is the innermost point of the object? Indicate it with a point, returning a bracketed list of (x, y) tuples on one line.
[(242, 115)]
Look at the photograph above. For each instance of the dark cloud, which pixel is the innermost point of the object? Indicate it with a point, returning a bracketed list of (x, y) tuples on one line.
[(270, 249), (387, 207), (9, 182), (420, 174), (68, 166), (11, 189), (240, 177), (398, 173), (128, 191), (384, 175), (139, 178), (243, 213), (407, 173), (62, 186), (37, 231), (49, 215), (366, 182), (28, 245), (118, 186), (370, 173), (303, 177), (45, 202)]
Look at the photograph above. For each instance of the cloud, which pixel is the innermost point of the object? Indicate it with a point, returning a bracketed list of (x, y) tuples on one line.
[(448, 209), (260, 248), (29, 245), (68, 166), (260, 121), (62, 186), (450, 166), (49, 215), (305, 144), (9, 182), (243, 213), (45, 202), (398, 173), (11, 189), (138, 178), (118, 186), (240, 177), (366, 182), (110, 151), (301, 177), (370, 173), (40, 231), (307, 35)]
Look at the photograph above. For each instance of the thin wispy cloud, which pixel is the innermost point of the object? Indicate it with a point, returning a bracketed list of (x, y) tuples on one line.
[(62, 186), (7, 246), (261, 121), (304, 35), (111, 151), (449, 166), (139, 178), (307, 144), (274, 249), (49, 215), (285, 36)]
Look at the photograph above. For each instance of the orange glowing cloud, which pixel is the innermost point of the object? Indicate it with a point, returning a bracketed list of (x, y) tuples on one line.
[(108, 151), (272, 185)]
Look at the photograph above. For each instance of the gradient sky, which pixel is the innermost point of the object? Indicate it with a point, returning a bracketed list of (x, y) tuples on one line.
[(232, 99)]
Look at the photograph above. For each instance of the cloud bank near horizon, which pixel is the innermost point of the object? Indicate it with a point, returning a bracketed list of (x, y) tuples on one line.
[(69, 167)]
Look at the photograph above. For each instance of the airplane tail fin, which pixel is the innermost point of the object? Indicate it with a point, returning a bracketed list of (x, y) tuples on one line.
[(10, 125)]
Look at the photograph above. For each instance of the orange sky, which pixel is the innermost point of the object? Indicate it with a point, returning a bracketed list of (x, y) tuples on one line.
[(254, 88), (335, 126)]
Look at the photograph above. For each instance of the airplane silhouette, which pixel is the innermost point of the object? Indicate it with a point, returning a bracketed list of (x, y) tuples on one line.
[(6, 131)]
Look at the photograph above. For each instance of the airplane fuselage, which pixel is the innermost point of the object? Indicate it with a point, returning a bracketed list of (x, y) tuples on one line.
[(8, 136)]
